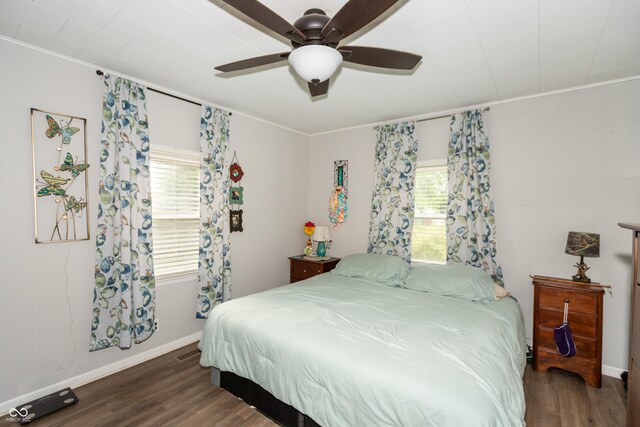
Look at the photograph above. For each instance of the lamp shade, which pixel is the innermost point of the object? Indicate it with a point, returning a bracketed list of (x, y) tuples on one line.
[(583, 244), (315, 62), (321, 234)]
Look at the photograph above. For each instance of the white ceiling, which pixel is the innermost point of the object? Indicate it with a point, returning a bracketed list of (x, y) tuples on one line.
[(474, 52)]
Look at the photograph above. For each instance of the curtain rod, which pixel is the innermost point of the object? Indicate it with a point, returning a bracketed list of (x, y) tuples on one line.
[(445, 116), (101, 73)]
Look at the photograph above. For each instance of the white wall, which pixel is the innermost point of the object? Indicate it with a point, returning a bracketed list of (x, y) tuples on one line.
[(275, 184), (561, 162), (357, 146), (39, 345)]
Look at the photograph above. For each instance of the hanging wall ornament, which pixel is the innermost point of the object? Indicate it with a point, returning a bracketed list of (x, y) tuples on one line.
[(338, 199), (341, 174), (236, 195), (235, 222), (235, 171)]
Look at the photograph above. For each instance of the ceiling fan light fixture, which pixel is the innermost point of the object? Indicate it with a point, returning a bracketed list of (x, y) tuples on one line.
[(315, 62)]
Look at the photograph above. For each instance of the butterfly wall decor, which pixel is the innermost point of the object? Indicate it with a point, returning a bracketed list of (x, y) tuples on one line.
[(74, 167), (53, 185), (59, 161), (66, 131)]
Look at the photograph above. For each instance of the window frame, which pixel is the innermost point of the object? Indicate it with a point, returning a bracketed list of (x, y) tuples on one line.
[(443, 162), (191, 157)]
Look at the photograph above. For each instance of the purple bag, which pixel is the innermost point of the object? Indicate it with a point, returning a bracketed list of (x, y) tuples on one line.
[(564, 339)]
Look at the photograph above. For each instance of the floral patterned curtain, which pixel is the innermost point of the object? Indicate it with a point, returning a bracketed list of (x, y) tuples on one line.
[(471, 225), (393, 204), (214, 266), (124, 293)]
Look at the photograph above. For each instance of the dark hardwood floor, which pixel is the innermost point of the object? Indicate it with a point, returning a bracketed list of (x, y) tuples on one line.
[(174, 390)]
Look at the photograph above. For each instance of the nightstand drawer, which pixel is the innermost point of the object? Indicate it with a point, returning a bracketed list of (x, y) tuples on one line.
[(579, 302), (580, 324), (585, 347), (304, 270)]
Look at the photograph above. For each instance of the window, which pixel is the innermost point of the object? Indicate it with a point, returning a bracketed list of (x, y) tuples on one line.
[(175, 190), (429, 222)]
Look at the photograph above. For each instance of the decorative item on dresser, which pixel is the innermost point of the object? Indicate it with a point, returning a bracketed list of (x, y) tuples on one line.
[(633, 380), (585, 318), (309, 228), (322, 236), (582, 245), (302, 268)]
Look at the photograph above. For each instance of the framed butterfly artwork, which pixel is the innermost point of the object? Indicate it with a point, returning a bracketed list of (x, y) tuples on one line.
[(60, 181)]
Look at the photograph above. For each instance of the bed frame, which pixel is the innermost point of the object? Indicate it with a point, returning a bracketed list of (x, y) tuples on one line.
[(261, 399)]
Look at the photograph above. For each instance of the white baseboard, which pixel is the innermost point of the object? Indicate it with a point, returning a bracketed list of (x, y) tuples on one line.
[(101, 372), (610, 371)]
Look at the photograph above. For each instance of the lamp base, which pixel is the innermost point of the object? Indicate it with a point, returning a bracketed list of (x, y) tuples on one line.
[(322, 249), (581, 275)]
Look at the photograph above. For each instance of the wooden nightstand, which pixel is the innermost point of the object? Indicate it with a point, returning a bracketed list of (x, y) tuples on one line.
[(585, 321), (303, 269)]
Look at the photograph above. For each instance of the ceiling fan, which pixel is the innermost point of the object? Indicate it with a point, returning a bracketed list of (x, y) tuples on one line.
[(315, 38)]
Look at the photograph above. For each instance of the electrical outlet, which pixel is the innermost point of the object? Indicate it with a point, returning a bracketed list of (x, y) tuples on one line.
[(155, 324)]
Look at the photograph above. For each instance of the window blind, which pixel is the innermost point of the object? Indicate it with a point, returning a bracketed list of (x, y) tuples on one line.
[(175, 189), (429, 221)]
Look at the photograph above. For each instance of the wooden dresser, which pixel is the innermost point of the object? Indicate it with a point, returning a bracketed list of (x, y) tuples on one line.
[(302, 269), (585, 321), (633, 380)]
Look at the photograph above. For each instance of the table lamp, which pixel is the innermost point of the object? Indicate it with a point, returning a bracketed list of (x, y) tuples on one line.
[(583, 245), (322, 236)]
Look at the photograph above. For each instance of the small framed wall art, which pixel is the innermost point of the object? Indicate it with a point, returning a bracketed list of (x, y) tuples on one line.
[(236, 220), (236, 172), (341, 175), (59, 144), (235, 195)]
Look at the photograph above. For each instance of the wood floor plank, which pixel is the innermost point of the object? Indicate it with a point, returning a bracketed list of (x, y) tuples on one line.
[(562, 399), (169, 391)]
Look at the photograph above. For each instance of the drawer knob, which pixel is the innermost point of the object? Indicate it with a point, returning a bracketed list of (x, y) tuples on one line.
[(304, 271)]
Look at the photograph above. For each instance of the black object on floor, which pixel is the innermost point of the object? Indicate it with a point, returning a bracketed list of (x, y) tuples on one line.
[(45, 405), (529, 354), (265, 402), (624, 376)]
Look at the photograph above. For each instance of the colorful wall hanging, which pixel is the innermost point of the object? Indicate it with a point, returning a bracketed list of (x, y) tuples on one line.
[(338, 200), (236, 195), (59, 177), (236, 220), (341, 174), (235, 171)]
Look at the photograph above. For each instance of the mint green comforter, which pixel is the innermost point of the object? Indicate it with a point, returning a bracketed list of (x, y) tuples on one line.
[(350, 352)]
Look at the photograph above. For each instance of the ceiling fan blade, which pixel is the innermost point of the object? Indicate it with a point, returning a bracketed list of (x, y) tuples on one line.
[(267, 17), (253, 62), (353, 16), (317, 89), (377, 57)]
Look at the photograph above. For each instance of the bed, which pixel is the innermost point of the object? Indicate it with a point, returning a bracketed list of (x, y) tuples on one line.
[(352, 351)]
